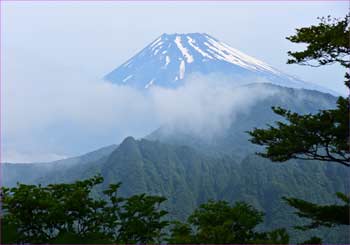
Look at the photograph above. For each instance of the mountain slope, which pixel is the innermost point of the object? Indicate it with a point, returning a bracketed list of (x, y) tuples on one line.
[(188, 178), (28, 173), (234, 140), (172, 58)]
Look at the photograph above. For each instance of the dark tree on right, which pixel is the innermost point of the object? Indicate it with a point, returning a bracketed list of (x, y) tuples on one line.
[(323, 136)]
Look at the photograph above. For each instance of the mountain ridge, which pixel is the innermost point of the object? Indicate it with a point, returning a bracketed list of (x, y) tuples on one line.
[(188, 178), (171, 58)]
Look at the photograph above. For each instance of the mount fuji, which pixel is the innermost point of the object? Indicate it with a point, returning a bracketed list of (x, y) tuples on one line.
[(172, 58)]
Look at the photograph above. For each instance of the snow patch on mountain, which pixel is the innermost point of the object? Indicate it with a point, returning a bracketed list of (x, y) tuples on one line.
[(127, 78), (184, 51), (167, 61), (149, 84), (192, 43), (182, 69)]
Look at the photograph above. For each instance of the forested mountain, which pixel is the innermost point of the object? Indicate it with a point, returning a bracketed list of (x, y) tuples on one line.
[(188, 178)]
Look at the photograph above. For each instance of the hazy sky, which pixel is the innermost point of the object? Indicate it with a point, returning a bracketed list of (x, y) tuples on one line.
[(51, 50)]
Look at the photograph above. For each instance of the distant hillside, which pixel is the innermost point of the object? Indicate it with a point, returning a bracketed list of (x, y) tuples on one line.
[(29, 173), (235, 140)]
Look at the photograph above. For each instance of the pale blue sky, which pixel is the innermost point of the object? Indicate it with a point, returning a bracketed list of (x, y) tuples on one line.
[(45, 43), (95, 37)]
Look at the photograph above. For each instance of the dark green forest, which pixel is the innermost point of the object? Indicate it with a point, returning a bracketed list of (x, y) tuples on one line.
[(66, 213)]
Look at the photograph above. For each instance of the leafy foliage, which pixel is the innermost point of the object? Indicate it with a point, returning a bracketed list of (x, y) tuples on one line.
[(327, 43), (322, 136), (325, 215), (219, 222), (66, 213), (313, 240)]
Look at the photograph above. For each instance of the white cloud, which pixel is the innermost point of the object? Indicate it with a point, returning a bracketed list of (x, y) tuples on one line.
[(205, 105), (30, 157), (68, 116)]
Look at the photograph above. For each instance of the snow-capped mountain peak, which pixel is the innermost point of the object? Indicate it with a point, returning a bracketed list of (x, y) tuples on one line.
[(169, 59)]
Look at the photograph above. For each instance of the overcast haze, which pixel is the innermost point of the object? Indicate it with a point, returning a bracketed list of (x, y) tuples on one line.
[(53, 55)]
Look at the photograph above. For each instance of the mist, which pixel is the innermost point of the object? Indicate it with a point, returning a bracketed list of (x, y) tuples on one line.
[(50, 119), (206, 105), (54, 105)]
